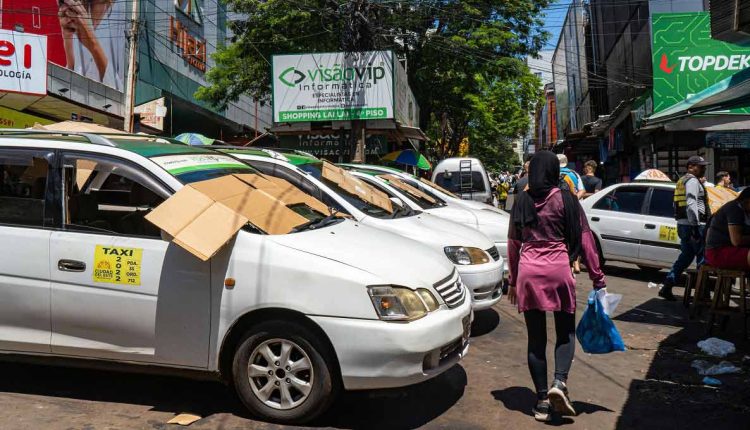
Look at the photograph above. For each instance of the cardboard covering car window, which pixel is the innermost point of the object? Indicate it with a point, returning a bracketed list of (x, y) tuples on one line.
[(354, 186), (203, 216), (436, 186), (396, 182)]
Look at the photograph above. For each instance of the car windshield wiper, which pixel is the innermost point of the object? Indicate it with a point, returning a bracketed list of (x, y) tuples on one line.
[(319, 223)]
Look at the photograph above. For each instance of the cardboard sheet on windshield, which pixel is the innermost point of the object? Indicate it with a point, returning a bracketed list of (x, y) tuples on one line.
[(354, 186), (203, 216), (396, 182)]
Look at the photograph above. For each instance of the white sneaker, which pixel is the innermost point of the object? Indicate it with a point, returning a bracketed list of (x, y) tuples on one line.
[(655, 285)]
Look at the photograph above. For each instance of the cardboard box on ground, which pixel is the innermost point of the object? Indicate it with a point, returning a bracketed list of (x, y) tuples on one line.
[(355, 186), (203, 216)]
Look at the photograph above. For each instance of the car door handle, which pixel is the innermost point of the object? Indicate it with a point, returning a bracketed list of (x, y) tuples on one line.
[(71, 266), (650, 227), (595, 218)]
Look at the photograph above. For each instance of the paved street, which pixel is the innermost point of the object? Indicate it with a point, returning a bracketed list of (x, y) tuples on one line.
[(649, 386)]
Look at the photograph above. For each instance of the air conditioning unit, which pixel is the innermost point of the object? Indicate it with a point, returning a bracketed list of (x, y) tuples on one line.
[(730, 20)]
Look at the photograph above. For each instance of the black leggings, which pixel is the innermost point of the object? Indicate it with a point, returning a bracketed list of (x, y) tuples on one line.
[(565, 346)]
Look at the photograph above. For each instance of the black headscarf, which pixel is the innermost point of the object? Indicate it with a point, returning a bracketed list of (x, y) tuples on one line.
[(544, 176)]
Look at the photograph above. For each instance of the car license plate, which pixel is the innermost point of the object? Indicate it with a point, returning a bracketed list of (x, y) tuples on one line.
[(668, 233)]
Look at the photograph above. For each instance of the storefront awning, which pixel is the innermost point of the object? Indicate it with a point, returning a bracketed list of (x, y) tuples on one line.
[(728, 93)]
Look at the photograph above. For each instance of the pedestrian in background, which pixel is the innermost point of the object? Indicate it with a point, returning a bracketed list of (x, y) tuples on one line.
[(724, 180), (691, 211), (591, 183), (547, 233), (570, 178), (523, 181)]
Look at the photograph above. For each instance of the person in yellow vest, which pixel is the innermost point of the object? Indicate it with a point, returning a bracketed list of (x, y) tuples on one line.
[(691, 211), (502, 193)]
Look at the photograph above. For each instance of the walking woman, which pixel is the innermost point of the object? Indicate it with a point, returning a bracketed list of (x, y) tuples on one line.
[(547, 234)]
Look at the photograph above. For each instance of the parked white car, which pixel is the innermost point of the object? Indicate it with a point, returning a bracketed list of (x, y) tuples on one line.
[(488, 219), (476, 257), (465, 177), (287, 319), (634, 222)]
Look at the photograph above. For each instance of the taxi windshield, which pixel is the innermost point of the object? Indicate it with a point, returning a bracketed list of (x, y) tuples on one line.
[(316, 170), (196, 167)]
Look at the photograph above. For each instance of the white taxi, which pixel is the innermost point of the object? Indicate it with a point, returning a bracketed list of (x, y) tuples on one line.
[(285, 318), (634, 222)]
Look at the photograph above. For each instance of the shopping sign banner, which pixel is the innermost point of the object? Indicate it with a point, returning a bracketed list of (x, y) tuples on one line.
[(23, 63), (333, 86), (686, 60)]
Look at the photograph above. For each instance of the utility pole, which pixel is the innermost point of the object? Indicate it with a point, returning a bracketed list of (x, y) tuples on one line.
[(131, 77), (357, 38)]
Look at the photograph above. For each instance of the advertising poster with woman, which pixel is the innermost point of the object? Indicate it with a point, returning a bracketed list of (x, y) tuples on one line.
[(88, 37)]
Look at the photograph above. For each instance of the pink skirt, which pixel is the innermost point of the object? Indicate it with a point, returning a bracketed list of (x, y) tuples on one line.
[(545, 281)]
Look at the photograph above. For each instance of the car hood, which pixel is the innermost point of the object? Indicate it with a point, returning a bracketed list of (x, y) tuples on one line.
[(436, 232), (455, 213), (493, 224), (394, 259), (473, 204)]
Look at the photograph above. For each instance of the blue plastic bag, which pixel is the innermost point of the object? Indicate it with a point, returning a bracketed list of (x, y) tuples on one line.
[(596, 332)]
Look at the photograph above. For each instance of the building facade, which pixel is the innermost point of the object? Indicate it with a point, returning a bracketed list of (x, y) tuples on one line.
[(86, 77)]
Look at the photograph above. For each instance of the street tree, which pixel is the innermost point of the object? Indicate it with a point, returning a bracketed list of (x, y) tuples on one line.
[(464, 57)]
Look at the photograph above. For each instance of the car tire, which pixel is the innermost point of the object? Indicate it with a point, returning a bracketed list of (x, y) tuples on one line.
[(648, 270), (273, 390), (602, 261)]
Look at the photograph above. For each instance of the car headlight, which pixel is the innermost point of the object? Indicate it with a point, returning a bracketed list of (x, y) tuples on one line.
[(465, 256), (401, 304)]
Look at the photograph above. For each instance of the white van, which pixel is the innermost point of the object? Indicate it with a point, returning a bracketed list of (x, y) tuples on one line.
[(287, 319), (465, 177), (476, 257)]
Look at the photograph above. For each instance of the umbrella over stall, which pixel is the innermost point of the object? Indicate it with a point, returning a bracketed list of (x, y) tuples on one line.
[(196, 139), (408, 157)]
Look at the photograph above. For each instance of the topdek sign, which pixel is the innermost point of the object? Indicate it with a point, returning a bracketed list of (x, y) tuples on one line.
[(686, 60), (333, 87), (23, 63)]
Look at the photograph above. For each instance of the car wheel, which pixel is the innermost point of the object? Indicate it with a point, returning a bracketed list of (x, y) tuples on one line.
[(281, 374), (650, 271), (602, 261)]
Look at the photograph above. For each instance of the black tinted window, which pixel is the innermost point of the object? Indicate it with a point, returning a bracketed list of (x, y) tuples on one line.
[(23, 185), (661, 203), (453, 182), (624, 199)]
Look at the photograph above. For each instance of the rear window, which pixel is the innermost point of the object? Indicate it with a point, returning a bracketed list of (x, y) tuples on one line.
[(188, 168), (455, 182)]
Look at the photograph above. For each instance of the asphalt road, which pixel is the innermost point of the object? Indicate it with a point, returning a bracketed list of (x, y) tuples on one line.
[(649, 386)]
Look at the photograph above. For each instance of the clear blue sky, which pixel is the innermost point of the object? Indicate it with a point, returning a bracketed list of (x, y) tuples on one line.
[(555, 16)]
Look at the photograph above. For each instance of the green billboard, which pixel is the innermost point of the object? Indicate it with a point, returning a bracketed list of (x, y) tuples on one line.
[(686, 60)]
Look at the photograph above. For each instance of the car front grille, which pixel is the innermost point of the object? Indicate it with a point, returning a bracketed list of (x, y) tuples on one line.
[(451, 290), (494, 253)]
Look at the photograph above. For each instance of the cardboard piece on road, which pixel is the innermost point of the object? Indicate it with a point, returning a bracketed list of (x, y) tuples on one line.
[(718, 197), (403, 186), (203, 216), (354, 186), (184, 419)]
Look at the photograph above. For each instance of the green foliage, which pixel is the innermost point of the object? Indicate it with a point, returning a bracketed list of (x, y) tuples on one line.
[(465, 59)]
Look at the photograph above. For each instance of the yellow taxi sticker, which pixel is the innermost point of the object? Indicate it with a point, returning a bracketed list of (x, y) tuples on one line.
[(117, 265), (668, 233)]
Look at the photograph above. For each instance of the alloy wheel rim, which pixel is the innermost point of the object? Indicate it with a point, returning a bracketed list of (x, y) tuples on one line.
[(280, 374)]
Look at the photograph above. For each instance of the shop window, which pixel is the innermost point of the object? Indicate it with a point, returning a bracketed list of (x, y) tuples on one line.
[(23, 186), (110, 197)]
